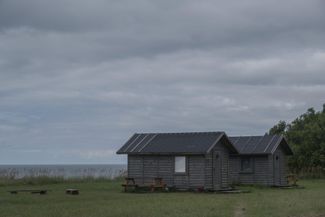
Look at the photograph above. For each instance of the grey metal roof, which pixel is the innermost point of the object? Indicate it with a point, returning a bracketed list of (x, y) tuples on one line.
[(266, 144), (173, 143)]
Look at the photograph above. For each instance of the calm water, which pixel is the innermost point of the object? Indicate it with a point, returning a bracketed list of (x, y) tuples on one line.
[(67, 171)]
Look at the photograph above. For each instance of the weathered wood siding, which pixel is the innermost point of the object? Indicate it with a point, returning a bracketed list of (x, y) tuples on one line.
[(196, 173), (234, 169), (145, 168), (135, 168), (267, 169), (208, 170), (261, 173), (217, 179), (150, 168), (282, 170), (166, 169), (202, 170)]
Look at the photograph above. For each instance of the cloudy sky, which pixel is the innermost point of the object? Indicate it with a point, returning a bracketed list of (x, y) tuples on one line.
[(78, 77)]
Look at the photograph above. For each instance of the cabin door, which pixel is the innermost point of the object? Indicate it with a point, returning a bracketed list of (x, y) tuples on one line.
[(217, 165), (276, 172)]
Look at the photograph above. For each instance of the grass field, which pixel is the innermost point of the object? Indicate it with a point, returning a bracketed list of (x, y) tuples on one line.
[(99, 199)]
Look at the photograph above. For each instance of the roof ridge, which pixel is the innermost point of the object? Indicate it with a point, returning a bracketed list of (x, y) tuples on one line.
[(215, 142), (246, 136), (185, 142), (197, 132), (277, 143)]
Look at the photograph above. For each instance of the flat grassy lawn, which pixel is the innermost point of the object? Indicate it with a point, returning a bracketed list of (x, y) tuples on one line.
[(99, 199)]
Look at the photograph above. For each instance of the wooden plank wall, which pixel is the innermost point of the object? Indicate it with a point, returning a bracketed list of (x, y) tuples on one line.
[(145, 168), (270, 166), (283, 167), (199, 169), (224, 155), (135, 168), (150, 169), (210, 176), (208, 183), (262, 171), (166, 169), (234, 169), (196, 173)]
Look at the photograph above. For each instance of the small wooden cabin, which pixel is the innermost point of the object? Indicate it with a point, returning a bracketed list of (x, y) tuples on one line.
[(261, 160), (182, 160), (208, 160)]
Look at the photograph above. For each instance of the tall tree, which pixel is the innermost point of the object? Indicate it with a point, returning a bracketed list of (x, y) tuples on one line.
[(306, 135), (279, 128)]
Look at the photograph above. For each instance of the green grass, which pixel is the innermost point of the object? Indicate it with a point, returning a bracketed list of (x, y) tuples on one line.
[(43, 180), (105, 198)]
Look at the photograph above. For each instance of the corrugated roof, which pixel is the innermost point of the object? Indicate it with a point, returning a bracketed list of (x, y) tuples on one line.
[(259, 144), (163, 143)]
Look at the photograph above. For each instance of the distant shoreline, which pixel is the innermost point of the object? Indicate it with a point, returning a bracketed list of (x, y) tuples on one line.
[(76, 164), (17, 171)]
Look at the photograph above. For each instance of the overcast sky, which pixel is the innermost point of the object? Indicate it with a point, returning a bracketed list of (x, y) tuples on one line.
[(79, 77)]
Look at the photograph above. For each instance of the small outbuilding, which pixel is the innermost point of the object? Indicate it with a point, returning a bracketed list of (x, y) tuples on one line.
[(209, 160), (261, 160)]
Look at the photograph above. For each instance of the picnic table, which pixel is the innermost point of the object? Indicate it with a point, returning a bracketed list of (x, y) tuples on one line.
[(72, 191), (129, 183), (157, 184), (32, 191)]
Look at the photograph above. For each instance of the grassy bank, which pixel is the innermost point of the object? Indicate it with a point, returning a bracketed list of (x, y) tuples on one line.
[(45, 180), (105, 198)]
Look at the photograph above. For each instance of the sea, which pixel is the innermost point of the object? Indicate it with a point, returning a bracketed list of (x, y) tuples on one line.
[(63, 170)]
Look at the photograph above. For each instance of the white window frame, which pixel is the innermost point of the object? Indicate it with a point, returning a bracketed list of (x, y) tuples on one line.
[(180, 164)]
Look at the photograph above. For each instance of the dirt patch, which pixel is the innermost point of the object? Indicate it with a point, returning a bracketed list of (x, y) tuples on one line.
[(239, 211)]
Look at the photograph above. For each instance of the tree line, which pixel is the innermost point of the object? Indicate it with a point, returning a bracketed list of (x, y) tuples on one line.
[(306, 137)]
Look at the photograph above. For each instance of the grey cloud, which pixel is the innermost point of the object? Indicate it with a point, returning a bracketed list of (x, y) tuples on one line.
[(148, 27), (78, 77)]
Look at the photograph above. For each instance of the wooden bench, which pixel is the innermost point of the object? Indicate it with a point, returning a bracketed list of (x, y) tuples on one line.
[(129, 183), (32, 191), (156, 183), (72, 191)]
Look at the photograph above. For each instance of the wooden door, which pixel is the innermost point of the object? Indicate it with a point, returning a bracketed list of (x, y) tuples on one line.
[(277, 171), (217, 175)]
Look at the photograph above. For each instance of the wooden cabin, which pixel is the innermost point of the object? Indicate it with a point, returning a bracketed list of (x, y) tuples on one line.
[(208, 160), (182, 160), (261, 160)]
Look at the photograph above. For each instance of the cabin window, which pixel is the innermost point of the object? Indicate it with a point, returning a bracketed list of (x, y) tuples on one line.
[(180, 164), (246, 165)]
